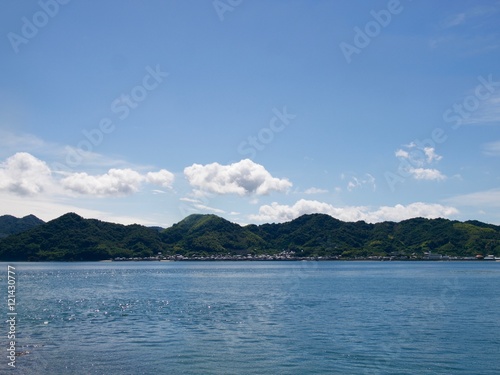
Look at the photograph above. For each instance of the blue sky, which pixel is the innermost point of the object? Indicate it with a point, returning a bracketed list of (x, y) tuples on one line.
[(258, 111)]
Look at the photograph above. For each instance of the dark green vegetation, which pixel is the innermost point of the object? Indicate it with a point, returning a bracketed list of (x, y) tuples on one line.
[(12, 225), (73, 238)]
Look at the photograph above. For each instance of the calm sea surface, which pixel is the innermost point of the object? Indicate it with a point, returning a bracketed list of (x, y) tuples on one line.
[(255, 318)]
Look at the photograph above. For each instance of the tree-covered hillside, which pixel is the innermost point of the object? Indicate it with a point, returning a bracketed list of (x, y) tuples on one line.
[(70, 237), (209, 234), (12, 225), (73, 238)]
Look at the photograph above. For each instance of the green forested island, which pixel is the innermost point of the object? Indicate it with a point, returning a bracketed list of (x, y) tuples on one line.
[(73, 238)]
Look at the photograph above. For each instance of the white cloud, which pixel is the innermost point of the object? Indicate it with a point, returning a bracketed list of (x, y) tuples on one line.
[(23, 174), (314, 190), (115, 182), (203, 207), (189, 200), (418, 156), (353, 184), (279, 213), (418, 209), (415, 159), (243, 178), (402, 154), (356, 182), (157, 191), (162, 178), (430, 152), (426, 174)]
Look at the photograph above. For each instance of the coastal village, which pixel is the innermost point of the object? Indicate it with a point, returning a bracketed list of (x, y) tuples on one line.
[(292, 256)]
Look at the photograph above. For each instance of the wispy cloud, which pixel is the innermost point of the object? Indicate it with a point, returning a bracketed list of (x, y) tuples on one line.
[(453, 20), (61, 158), (314, 190), (203, 207), (488, 112), (471, 31), (358, 182), (492, 148), (194, 205), (469, 15), (487, 198), (10, 141)]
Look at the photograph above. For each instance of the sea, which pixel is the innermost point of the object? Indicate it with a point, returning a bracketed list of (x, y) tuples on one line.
[(269, 317)]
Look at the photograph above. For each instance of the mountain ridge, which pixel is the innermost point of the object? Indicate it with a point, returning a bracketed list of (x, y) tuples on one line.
[(73, 238), (11, 225)]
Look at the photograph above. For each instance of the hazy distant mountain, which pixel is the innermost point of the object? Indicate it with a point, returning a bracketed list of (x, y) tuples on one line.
[(12, 225), (70, 237)]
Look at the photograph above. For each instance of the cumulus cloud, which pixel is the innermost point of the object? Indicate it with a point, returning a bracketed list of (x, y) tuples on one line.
[(279, 213), (23, 174), (402, 154), (115, 182), (426, 174), (162, 178), (243, 178)]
